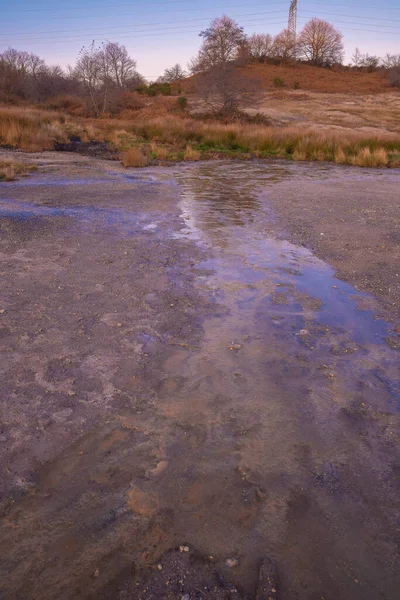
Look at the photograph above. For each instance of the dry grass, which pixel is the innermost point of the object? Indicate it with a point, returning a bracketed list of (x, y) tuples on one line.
[(191, 154), (30, 129), (134, 158), (309, 78), (376, 158), (379, 112), (171, 136), (159, 152), (9, 169)]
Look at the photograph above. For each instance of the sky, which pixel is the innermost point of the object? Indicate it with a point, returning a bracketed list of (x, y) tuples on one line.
[(161, 33)]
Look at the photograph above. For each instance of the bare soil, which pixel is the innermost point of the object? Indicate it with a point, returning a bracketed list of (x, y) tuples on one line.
[(194, 405)]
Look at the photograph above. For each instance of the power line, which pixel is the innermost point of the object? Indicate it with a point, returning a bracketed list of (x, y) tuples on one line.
[(223, 7), (179, 32), (204, 19), (351, 16), (207, 19), (397, 27), (173, 31), (107, 6), (155, 2)]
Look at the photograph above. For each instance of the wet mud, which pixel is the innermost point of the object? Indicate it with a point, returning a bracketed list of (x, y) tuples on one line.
[(193, 405)]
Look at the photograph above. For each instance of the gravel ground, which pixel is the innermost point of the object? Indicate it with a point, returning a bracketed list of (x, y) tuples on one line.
[(194, 405)]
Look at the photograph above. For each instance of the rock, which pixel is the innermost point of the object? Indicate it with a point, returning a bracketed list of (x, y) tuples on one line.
[(62, 415), (267, 581), (231, 562), (184, 548), (235, 347), (185, 597)]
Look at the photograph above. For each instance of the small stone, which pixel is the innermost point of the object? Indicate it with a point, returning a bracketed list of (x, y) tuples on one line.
[(184, 548), (267, 588), (233, 347), (185, 597), (159, 567), (231, 562), (62, 415), (96, 573), (2, 311)]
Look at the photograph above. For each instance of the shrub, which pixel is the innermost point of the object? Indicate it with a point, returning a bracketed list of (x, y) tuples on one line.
[(182, 102), (134, 158), (191, 154), (394, 77), (69, 104), (278, 82)]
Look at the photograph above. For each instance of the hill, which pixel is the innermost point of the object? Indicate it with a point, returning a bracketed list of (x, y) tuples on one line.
[(307, 77)]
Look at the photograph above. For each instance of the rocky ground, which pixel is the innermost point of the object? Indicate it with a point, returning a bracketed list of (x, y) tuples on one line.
[(194, 405)]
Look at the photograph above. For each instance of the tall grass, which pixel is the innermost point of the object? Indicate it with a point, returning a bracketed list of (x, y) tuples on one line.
[(30, 129), (177, 137), (9, 169)]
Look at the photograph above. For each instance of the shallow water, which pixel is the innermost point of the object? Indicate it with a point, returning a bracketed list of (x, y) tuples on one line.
[(268, 432)]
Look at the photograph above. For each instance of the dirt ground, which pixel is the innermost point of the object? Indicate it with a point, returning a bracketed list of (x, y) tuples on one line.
[(194, 404), (369, 113)]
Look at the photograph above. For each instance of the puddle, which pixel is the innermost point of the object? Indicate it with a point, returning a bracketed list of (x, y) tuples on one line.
[(260, 276), (214, 387), (84, 216)]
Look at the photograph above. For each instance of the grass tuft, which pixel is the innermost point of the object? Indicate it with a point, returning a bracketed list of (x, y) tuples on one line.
[(191, 154), (9, 170), (134, 158)]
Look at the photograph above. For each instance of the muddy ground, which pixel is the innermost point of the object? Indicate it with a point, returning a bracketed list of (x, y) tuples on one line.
[(193, 404)]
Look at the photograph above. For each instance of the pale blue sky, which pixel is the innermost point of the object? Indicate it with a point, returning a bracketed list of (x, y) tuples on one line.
[(159, 33)]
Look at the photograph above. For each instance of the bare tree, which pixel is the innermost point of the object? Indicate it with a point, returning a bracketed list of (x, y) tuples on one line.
[(221, 43), (105, 69), (391, 60), (356, 59), (284, 46), (260, 46), (320, 43), (370, 61), (175, 73), (88, 70), (121, 67), (223, 88)]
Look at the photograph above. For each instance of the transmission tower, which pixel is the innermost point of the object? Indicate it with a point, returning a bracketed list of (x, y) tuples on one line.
[(292, 18)]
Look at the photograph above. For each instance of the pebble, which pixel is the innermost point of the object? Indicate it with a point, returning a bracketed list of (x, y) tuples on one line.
[(231, 562), (184, 548)]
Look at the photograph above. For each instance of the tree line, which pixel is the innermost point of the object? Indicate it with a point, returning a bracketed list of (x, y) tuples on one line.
[(105, 75)]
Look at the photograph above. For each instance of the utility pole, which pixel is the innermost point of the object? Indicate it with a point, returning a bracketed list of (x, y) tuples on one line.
[(292, 19)]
